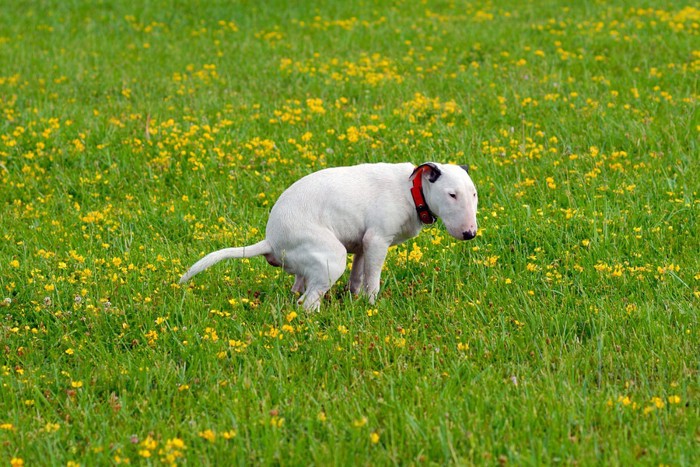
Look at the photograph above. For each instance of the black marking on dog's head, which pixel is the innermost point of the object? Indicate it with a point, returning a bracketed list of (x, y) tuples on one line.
[(465, 167), (433, 172)]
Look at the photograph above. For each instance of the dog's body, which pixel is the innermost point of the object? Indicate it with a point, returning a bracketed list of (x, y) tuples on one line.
[(362, 210)]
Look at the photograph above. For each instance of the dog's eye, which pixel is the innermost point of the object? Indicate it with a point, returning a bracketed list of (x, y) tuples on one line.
[(453, 195)]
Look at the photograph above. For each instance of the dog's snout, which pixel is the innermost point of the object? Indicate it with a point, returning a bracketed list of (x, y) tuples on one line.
[(469, 234)]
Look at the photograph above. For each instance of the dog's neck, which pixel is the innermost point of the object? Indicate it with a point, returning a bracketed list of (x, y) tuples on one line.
[(425, 215)]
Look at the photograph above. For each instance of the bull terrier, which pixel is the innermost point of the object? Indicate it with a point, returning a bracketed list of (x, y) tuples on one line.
[(363, 210)]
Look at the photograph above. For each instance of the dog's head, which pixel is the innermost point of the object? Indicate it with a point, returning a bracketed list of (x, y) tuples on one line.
[(451, 196)]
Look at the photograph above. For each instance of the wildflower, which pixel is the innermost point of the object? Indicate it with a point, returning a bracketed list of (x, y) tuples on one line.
[(151, 337), (360, 422), (674, 400), (374, 437), (416, 254), (277, 422), (209, 435), (238, 346), (76, 384), (149, 443), (51, 427), (624, 400), (70, 351)]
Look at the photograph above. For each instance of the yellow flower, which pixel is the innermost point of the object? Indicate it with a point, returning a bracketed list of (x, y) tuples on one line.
[(277, 422), (360, 422), (70, 351), (175, 443), (416, 254), (658, 402), (149, 443), (14, 263), (625, 400), (374, 437), (209, 435), (674, 400), (51, 427), (16, 462), (76, 384)]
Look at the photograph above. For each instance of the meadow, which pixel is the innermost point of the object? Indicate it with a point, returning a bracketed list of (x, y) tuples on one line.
[(137, 136)]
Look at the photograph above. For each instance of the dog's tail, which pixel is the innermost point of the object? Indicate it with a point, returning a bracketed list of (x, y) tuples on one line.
[(260, 248)]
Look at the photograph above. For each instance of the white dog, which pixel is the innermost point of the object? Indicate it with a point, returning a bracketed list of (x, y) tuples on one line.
[(362, 209)]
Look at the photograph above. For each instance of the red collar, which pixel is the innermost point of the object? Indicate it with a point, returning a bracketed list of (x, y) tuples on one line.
[(424, 213)]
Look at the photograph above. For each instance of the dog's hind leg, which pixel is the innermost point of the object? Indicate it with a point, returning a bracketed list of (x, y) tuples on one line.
[(321, 270)]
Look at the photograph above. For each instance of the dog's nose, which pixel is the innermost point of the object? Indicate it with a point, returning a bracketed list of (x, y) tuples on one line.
[(469, 234)]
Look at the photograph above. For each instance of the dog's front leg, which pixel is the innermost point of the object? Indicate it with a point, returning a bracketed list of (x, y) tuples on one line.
[(375, 250), (299, 284)]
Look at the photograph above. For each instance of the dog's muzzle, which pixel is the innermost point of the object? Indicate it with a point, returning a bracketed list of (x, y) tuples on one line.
[(469, 234)]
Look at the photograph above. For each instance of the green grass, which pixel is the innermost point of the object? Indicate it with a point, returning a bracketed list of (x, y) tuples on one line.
[(136, 138)]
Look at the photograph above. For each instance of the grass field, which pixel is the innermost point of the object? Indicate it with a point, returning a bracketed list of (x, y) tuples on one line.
[(136, 138)]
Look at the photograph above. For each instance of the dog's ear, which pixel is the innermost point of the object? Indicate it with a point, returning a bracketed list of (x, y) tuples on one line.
[(465, 167), (429, 167)]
